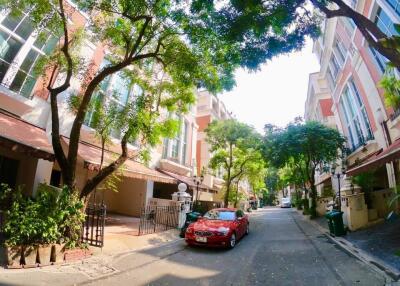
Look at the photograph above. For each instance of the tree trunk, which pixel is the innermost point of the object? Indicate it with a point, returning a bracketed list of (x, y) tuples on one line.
[(228, 179), (237, 194)]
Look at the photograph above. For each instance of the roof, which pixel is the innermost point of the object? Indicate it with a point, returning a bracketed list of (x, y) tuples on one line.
[(91, 154), (21, 136), (378, 159), (184, 179)]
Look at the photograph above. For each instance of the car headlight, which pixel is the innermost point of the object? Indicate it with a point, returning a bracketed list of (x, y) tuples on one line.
[(189, 230), (223, 231)]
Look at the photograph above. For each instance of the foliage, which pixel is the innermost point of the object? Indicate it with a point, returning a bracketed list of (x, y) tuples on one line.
[(236, 148), (301, 148), (366, 181), (51, 216), (391, 84)]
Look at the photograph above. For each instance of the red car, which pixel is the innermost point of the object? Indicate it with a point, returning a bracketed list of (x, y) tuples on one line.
[(218, 227)]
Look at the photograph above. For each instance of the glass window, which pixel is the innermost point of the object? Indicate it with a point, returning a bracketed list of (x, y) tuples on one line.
[(14, 30), (184, 142), (395, 4), (339, 51), (220, 215), (383, 21), (334, 67), (355, 115)]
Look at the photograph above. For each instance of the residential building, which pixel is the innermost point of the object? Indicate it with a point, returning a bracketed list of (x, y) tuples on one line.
[(209, 108), (26, 154), (350, 73)]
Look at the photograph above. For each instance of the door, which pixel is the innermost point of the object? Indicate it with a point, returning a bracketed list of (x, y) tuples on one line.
[(241, 222), (8, 171)]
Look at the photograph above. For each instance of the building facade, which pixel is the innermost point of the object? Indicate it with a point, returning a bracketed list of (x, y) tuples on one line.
[(26, 155), (349, 76)]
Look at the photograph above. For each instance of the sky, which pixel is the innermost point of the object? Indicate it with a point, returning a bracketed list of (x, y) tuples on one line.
[(275, 94)]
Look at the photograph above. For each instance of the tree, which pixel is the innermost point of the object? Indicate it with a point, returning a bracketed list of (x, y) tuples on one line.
[(234, 146), (304, 147), (143, 37), (269, 28)]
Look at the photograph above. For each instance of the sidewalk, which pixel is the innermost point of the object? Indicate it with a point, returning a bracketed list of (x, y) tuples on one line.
[(379, 244)]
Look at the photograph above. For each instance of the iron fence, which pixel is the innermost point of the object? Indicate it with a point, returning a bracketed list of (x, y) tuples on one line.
[(93, 227), (158, 218)]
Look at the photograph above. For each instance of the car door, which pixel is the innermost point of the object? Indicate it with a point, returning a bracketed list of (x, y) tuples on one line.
[(241, 222)]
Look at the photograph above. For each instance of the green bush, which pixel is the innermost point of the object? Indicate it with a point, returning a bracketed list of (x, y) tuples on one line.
[(52, 216)]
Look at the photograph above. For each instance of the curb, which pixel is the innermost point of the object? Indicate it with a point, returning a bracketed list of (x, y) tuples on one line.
[(375, 263)]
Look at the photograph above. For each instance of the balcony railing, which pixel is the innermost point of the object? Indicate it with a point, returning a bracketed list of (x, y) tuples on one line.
[(395, 114), (362, 142)]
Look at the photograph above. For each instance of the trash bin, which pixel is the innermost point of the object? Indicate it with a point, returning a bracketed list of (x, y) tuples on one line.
[(328, 216), (338, 226), (190, 217)]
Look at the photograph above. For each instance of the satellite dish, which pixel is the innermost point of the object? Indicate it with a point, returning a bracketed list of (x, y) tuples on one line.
[(182, 187)]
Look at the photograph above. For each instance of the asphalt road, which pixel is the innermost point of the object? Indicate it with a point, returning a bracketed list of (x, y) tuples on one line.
[(282, 249)]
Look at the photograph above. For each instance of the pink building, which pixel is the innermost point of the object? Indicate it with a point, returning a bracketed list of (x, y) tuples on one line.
[(349, 75), (26, 155)]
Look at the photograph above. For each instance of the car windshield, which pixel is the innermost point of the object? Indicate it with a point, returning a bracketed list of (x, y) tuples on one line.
[(220, 215), (285, 200)]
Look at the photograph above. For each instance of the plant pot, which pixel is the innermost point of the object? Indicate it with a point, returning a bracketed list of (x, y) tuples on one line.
[(13, 255), (29, 256), (44, 254), (57, 253)]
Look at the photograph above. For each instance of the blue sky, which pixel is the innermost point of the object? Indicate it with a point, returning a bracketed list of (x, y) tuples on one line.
[(275, 94)]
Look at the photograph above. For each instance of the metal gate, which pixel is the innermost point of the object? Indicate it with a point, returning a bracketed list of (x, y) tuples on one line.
[(93, 227), (155, 218)]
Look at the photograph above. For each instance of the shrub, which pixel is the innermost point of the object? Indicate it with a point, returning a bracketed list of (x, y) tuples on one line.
[(52, 216)]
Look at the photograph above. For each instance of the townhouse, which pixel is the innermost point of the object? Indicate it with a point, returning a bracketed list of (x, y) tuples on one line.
[(348, 81), (26, 154)]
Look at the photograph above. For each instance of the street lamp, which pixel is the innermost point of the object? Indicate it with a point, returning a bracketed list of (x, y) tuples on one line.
[(198, 180), (338, 175)]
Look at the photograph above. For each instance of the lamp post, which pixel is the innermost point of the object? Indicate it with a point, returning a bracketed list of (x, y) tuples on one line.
[(198, 180), (338, 175)]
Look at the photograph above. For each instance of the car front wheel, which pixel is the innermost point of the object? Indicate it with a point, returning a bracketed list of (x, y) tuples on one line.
[(232, 240)]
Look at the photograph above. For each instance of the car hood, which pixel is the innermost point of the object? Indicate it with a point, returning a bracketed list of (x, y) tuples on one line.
[(212, 225)]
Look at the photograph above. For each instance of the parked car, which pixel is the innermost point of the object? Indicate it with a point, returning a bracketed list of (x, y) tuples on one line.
[(221, 227), (285, 203)]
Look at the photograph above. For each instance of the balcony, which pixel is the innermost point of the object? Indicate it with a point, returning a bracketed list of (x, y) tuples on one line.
[(362, 142)]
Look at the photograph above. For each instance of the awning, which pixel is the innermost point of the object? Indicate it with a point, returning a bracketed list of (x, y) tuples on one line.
[(326, 178), (91, 155), (378, 159), (187, 180), (21, 136)]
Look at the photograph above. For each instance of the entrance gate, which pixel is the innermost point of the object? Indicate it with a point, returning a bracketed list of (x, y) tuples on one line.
[(155, 218), (93, 227)]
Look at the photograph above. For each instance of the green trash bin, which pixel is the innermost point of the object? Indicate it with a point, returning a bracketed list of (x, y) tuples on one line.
[(328, 216), (338, 226)]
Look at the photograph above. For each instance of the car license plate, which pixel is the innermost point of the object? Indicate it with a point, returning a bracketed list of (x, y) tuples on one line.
[(201, 239)]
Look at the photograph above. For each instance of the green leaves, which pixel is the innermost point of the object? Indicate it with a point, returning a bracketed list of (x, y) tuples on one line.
[(391, 84), (52, 216)]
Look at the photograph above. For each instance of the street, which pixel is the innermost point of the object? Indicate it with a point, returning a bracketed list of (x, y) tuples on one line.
[(282, 249)]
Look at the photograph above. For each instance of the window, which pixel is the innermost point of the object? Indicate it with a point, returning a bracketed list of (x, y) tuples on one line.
[(334, 66), (114, 90), (184, 141), (355, 115), (349, 25), (395, 4), (331, 79), (339, 51), (383, 21), (17, 73)]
